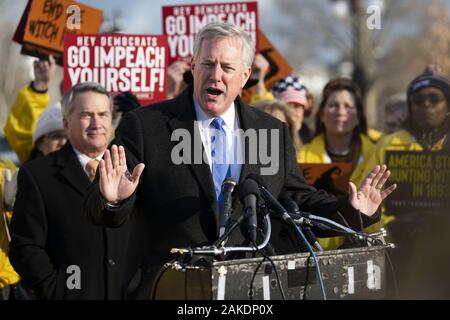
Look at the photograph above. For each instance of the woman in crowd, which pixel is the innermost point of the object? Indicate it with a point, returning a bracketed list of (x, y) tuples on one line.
[(283, 112), (341, 136), (292, 91)]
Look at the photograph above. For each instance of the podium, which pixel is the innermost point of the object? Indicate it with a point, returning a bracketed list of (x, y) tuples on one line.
[(357, 273)]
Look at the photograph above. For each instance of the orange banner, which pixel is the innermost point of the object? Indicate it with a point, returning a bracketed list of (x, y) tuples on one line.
[(332, 177), (279, 66), (50, 20)]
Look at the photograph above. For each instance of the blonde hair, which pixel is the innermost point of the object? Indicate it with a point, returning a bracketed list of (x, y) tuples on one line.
[(270, 106)]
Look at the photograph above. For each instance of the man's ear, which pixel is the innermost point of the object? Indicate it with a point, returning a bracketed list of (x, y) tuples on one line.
[(192, 65), (65, 124), (246, 75)]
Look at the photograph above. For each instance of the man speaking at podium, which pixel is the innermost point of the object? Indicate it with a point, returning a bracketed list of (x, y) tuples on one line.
[(176, 204)]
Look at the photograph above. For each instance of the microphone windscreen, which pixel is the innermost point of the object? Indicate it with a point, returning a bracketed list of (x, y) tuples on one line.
[(259, 180), (247, 187), (291, 206)]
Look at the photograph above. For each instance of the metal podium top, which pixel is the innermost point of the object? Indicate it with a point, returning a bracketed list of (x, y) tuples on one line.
[(357, 273), (305, 255)]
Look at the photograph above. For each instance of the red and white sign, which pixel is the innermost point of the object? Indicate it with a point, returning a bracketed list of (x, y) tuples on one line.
[(121, 63), (182, 22)]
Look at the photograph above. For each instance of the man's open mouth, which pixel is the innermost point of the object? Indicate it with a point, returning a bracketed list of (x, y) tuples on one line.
[(214, 91)]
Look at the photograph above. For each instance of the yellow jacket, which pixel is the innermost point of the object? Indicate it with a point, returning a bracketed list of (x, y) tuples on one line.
[(374, 135), (7, 274), (398, 141), (266, 96), (314, 152), (22, 119)]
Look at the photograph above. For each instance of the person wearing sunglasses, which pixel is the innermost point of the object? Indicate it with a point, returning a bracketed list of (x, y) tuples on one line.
[(421, 258)]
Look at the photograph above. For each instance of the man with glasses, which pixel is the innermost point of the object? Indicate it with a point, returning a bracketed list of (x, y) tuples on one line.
[(422, 258)]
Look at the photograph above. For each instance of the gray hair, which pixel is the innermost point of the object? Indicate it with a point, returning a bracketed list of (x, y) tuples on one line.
[(69, 96), (220, 30)]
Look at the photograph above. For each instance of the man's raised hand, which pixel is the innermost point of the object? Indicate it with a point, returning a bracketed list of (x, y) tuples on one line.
[(368, 197), (116, 183)]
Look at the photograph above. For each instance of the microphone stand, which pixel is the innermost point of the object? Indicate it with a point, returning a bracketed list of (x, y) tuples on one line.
[(310, 235), (222, 250), (305, 218), (222, 239)]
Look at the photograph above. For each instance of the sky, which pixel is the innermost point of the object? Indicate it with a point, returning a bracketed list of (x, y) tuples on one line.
[(144, 16), (140, 16)]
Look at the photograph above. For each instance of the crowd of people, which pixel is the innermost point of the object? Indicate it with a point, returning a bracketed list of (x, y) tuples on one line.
[(114, 204)]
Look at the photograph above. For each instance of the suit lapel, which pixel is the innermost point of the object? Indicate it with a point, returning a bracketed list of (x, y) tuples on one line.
[(71, 169), (183, 108), (249, 119)]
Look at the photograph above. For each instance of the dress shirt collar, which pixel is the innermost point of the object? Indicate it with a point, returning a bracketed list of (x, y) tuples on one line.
[(205, 120), (84, 159)]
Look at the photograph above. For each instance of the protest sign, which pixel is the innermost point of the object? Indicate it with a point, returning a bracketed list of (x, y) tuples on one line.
[(182, 22), (49, 20), (332, 177), (20, 30), (279, 67), (423, 181), (121, 63)]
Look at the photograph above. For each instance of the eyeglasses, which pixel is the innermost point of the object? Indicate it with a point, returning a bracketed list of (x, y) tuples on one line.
[(334, 107), (433, 98)]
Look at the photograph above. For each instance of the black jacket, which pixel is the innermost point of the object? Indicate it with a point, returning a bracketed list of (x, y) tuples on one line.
[(175, 205), (50, 233)]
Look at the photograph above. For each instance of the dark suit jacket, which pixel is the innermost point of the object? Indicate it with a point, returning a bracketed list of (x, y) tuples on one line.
[(50, 232), (176, 204)]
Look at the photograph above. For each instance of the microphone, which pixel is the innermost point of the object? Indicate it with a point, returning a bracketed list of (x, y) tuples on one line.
[(271, 200), (280, 211), (292, 207), (248, 194), (225, 212), (302, 218)]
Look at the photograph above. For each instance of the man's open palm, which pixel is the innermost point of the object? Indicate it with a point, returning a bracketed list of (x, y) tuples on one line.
[(116, 183), (368, 197)]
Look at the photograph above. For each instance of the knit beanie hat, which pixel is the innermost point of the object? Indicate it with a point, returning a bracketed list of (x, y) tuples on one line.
[(49, 121), (431, 77)]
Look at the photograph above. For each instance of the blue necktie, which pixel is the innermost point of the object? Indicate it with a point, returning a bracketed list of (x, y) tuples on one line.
[(220, 167)]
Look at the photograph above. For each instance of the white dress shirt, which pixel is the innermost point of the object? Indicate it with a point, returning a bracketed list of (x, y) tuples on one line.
[(231, 128), (84, 159)]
